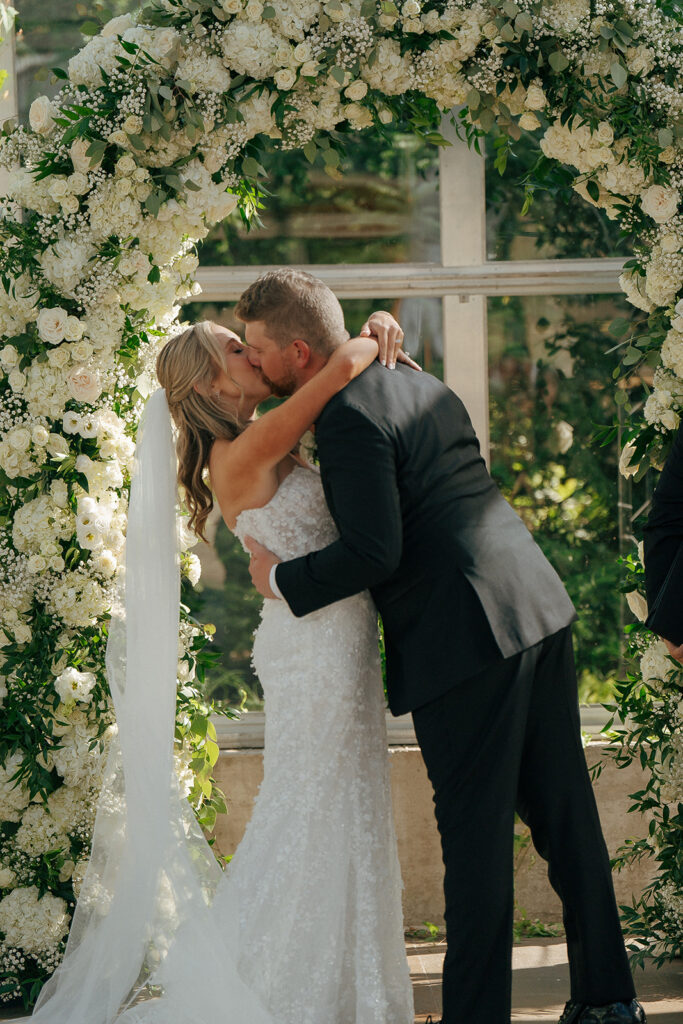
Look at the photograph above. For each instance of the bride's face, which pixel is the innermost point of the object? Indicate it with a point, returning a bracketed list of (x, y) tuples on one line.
[(239, 382)]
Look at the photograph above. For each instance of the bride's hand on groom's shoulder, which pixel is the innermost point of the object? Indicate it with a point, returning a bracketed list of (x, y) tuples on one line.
[(387, 331)]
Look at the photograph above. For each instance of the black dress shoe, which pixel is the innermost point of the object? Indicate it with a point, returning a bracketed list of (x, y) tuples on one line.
[(571, 1012), (613, 1013)]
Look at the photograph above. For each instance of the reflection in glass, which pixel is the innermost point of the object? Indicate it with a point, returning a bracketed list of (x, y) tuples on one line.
[(381, 208), (559, 225), (550, 388)]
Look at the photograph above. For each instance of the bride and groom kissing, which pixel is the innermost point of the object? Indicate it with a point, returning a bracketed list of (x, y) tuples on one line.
[(402, 518), (477, 628)]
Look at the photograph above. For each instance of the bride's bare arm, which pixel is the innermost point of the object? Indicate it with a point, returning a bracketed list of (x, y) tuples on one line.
[(270, 437)]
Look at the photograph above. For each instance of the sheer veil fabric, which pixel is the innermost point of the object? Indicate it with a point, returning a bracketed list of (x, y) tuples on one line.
[(147, 893)]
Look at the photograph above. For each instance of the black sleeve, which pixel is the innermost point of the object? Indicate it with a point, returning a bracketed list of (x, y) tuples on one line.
[(358, 467), (663, 533)]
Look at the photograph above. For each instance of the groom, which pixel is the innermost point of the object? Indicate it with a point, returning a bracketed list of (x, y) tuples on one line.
[(478, 641)]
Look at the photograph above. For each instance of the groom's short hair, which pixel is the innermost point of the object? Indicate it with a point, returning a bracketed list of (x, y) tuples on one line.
[(293, 304)]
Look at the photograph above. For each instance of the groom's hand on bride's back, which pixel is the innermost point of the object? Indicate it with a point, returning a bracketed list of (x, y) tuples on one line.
[(387, 330)]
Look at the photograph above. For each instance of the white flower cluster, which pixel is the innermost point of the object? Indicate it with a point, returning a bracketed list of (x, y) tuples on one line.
[(32, 923), (656, 666), (664, 401), (14, 797)]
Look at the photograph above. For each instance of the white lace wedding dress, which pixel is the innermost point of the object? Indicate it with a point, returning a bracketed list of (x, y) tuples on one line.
[(308, 912)]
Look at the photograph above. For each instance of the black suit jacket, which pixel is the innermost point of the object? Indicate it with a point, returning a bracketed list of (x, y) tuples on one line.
[(663, 539), (456, 576)]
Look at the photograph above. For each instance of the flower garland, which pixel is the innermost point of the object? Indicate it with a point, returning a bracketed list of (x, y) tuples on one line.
[(155, 136)]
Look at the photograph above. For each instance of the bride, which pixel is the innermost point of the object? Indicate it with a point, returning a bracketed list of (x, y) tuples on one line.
[(305, 923)]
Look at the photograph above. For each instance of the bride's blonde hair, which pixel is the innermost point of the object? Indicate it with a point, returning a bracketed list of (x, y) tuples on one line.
[(194, 357)]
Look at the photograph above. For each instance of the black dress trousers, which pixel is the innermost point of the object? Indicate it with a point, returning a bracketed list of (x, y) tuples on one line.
[(505, 740)]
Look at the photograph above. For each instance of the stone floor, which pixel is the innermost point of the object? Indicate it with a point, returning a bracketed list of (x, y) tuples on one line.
[(540, 983)]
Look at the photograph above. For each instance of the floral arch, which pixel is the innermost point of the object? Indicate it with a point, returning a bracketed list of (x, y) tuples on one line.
[(155, 136)]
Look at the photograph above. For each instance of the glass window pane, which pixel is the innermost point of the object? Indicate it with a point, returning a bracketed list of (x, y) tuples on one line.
[(382, 208), (550, 388), (48, 34), (559, 225)]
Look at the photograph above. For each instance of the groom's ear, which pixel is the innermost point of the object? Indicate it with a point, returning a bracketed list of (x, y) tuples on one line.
[(302, 352)]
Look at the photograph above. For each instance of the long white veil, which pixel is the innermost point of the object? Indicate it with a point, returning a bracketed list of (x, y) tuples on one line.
[(152, 876)]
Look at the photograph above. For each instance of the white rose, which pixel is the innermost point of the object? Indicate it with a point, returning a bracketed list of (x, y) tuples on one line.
[(535, 98), (58, 189), (58, 356), (605, 134), (81, 350), (7, 877), (125, 165), (303, 52), (660, 203), (16, 380), (285, 78), (40, 435), (19, 438), (410, 9), (231, 6), (80, 161), (254, 10), (78, 183), (132, 125), (36, 563), (73, 329), (670, 420), (84, 385), (670, 242), (70, 204), (385, 115), (41, 115), (309, 69), (9, 357), (105, 562), (357, 90), (51, 324), (58, 446)]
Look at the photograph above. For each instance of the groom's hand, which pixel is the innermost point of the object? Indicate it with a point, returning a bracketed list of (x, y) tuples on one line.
[(262, 561)]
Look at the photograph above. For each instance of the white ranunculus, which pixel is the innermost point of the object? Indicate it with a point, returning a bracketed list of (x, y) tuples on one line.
[(660, 203), (51, 324), (41, 115), (84, 384)]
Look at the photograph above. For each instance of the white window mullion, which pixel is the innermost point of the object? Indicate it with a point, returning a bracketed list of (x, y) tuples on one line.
[(463, 243), (8, 93)]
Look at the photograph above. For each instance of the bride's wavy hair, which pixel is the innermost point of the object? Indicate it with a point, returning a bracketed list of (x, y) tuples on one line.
[(193, 357)]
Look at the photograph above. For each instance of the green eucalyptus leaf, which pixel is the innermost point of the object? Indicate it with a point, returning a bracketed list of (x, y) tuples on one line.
[(557, 60), (618, 74)]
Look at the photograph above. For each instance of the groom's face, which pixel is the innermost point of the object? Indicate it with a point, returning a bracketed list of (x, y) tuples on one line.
[(276, 365)]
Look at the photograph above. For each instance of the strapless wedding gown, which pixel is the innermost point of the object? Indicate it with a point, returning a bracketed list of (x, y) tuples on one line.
[(308, 913)]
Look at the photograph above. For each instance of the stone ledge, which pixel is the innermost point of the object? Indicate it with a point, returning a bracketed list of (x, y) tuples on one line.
[(239, 772)]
